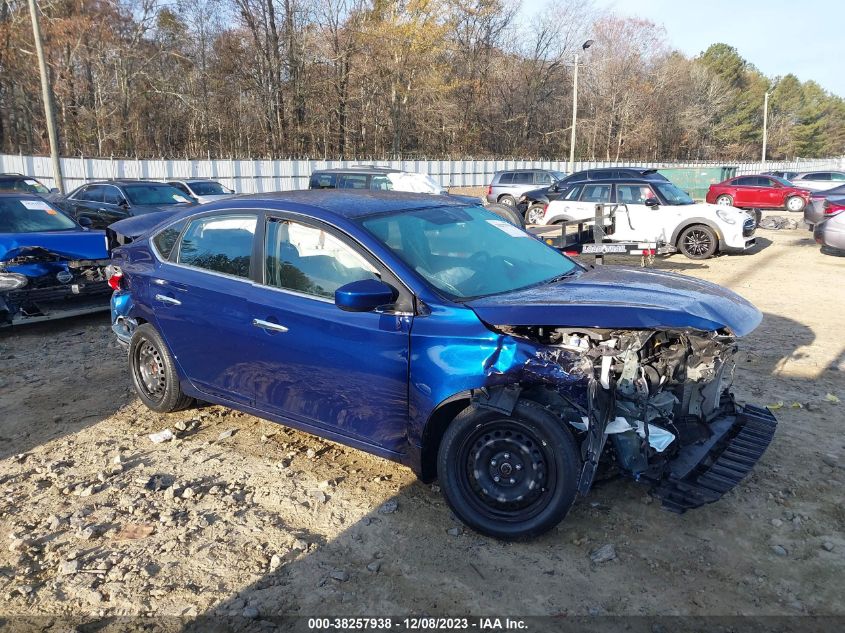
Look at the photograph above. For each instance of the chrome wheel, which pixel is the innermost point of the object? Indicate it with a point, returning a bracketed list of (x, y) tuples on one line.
[(149, 368), (507, 200), (507, 471), (725, 201), (535, 214)]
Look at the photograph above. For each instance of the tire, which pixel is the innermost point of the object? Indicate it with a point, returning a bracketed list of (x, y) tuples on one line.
[(795, 204), (481, 444), (758, 215), (698, 242), (507, 213), (534, 213), (507, 200), (725, 200), (154, 373)]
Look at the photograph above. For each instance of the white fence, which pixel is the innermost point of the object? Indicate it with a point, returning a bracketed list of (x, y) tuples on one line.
[(257, 176)]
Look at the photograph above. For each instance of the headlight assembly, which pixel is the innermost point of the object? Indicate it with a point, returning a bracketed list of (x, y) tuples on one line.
[(12, 281), (726, 216)]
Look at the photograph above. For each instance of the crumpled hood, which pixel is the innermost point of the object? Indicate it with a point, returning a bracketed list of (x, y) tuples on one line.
[(622, 297), (65, 244)]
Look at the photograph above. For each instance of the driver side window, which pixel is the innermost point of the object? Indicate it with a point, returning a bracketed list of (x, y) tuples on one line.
[(310, 260)]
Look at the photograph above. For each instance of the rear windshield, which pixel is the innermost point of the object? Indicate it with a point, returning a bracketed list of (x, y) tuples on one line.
[(154, 194), (208, 188), (25, 185), (31, 216)]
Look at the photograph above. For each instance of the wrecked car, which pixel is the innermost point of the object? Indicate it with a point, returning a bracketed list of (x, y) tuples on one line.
[(431, 332), (50, 266)]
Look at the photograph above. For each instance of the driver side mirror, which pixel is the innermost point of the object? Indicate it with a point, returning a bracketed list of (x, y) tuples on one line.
[(54, 190), (364, 295), (652, 203), (85, 222), (123, 203)]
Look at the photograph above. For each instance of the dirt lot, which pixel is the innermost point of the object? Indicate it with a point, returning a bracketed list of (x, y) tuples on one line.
[(241, 516)]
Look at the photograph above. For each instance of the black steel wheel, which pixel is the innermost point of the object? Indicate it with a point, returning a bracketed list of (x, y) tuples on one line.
[(698, 242), (153, 372), (510, 477)]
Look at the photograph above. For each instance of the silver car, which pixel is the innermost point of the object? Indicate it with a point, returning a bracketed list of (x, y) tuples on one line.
[(830, 231), (509, 184), (818, 180)]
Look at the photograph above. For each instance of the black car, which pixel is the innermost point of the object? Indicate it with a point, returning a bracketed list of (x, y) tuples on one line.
[(108, 201), (532, 204)]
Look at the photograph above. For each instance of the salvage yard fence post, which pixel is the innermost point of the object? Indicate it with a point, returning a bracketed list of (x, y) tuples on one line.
[(261, 175)]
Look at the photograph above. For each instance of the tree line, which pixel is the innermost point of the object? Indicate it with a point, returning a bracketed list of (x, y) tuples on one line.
[(389, 78)]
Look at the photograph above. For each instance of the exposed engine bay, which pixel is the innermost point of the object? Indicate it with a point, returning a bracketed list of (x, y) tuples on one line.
[(38, 284), (647, 404)]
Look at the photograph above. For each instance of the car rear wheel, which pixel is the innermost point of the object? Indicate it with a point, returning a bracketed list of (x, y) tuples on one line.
[(725, 201), (508, 476), (153, 372), (508, 200), (507, 213), (795, 204), (534, 214), (698, 242)]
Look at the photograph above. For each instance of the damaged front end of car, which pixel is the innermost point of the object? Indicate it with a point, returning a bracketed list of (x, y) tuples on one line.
[(653, 405), (37, 284)]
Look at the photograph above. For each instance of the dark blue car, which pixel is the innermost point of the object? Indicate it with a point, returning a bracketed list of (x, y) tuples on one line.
[(431, 332), (50, 266)]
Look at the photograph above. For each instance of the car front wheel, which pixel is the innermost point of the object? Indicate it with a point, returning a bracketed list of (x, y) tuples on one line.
[(508, 476), (534, 214), (154, 373), (698, 242)]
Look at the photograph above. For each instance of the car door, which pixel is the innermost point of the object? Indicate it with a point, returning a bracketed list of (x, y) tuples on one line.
[(744, 191), (88, 202), (199, 299), (344, 372), (114, 205), (634, 220), (592, 193), (772, 193)]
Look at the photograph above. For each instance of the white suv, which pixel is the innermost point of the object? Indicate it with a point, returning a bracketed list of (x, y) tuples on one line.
[(659, 211)]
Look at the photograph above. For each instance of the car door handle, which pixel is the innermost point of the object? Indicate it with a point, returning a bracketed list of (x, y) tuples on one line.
[(170, 300), (268, 325)]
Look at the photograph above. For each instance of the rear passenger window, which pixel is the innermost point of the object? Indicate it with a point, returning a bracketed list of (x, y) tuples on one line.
[(542, 178), (322, 181), (222, 244), (165, 240), (506, 178), (523, 178), (352, 181), (596, 193)]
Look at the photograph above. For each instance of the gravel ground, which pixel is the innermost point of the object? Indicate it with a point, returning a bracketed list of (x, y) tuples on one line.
[(241, 516)]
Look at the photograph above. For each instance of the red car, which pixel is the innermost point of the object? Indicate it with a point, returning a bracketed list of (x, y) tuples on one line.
[(760, 192)]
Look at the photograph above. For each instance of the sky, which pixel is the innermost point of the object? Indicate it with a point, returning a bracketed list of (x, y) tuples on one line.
[(777, 36)]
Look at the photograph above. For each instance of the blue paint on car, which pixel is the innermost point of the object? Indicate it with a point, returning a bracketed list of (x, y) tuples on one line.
[(246, 296)]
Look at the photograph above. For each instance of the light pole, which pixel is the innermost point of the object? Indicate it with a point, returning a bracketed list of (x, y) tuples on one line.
[(765, 125), (584, 47), (47, 97)]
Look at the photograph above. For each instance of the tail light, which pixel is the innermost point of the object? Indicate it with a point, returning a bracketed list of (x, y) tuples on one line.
[(833, 208), (115, 277), (490, 189)]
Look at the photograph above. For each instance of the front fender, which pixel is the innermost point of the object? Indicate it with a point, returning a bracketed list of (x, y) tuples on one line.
[(687, 222)]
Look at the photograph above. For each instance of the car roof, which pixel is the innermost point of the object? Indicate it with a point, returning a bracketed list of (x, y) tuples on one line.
[(627, 180), (340, 203), (524, 169), (358, 169), (124, 181)]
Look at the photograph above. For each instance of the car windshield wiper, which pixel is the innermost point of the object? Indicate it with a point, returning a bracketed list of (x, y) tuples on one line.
[(561, 277)]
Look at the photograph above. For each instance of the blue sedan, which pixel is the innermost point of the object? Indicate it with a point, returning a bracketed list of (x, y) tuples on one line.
[(50, 266), (429, 331)]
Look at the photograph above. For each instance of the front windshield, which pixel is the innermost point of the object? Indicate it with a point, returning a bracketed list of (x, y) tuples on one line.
[(31, 216), (208, 188), (782, 181), (155, 194), (673, 194), (468, 251), (558, 175)]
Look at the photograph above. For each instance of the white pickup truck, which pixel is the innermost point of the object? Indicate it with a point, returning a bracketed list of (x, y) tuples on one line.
[(657, 211)]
